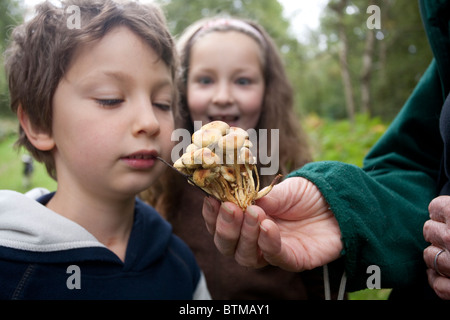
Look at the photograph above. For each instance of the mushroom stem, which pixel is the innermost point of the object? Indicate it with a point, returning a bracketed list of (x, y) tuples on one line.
[(249, 171), (267, 189), (226, 190), (240, 185), (257, 178)]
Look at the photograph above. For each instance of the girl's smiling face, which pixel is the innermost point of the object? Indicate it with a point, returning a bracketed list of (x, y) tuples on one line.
[(112, 115), (225, 80)]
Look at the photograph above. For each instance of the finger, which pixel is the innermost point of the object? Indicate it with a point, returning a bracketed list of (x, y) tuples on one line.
[(247, 251), (442, 262), (210, 211), (272, 247), (281, 196), (271, 202), (228, 228), (428, 255), (293, 199), (440, 285), (439, 209), (436, 233), (270, 241)]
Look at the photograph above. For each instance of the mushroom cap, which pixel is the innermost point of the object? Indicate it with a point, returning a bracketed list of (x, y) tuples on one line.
[(192, 147), (248, 144), (206, 137), (180, 166), (246, 156), (188, 160), (219, 125), (239, 131), (220, 161), (206, 158), (232, 141)]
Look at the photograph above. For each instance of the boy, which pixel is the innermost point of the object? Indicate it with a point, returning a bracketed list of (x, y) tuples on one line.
[(95, 106)]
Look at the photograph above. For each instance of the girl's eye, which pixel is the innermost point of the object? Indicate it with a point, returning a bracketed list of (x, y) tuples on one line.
[(109, 102), (205, 80), (243, 81)]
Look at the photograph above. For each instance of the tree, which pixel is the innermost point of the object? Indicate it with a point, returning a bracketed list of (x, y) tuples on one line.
[(383, 65), (339, 7), (367, 59), (269, 13), (11, 14)]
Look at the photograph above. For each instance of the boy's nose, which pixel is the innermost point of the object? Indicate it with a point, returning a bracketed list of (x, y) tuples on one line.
[(145, 120), (223, 95)]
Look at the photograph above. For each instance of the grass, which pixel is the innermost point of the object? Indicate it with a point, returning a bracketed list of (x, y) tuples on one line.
[(370, 294), (340, 140), (11, 165)]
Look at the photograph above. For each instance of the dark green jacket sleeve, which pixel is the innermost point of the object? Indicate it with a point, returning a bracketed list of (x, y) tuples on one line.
[(381, 208)]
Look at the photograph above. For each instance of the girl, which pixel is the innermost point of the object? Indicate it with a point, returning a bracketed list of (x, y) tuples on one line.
[(231, 71)]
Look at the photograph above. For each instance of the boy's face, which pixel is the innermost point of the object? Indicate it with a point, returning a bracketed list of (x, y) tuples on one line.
[(111, 115)]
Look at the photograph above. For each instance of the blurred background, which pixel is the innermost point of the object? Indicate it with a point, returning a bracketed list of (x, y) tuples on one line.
[(349, 80), (320, 41)]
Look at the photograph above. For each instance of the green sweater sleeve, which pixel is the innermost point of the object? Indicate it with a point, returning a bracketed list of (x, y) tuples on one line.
[(381, 208)]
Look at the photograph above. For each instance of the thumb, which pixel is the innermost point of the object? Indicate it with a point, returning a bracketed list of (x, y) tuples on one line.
[(284, 196)]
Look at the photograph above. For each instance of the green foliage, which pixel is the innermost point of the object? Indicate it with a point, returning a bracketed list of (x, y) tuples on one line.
[(268, 13), (400, 55), (370, 294), (341, 140)]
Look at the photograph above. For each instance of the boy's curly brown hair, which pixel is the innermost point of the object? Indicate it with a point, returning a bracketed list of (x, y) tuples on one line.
[(41, 50)]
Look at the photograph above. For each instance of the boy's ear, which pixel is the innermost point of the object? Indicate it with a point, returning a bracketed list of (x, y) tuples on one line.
[(39, 139)]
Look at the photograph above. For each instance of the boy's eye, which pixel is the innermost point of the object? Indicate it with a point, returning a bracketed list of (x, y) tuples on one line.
[(109, 102), (163, 106)]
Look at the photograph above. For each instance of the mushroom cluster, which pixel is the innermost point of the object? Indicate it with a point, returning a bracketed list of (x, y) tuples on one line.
[(220, 162)]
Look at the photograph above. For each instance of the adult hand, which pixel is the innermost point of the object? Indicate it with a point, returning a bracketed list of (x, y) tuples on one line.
[(292, 227), (437, 232)]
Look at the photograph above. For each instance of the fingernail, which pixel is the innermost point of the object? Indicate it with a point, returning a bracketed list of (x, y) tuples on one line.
[(209, 206), (262, 227), (253, 220), (229, 213)]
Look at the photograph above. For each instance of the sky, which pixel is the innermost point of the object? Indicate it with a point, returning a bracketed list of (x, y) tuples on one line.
[(303, 14)]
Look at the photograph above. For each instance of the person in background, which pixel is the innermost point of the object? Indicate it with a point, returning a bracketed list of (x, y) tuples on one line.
[(28, 169)]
